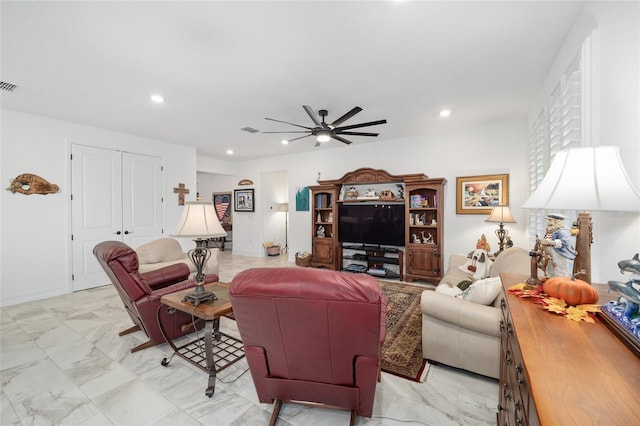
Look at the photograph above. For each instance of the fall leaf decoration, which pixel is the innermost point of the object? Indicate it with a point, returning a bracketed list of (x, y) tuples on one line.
[(552, 304), (575, 313), (526, 290)]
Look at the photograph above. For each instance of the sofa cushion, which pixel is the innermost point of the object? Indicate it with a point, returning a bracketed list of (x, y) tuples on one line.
[(448, 290), (161, 250), (514, 259), (482, 291)]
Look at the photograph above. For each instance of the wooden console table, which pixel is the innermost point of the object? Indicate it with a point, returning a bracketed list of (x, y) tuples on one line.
[(554, 371)]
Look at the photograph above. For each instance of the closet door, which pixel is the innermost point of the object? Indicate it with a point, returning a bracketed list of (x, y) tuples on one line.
[(141, 199), (96, 210), (115, 196)]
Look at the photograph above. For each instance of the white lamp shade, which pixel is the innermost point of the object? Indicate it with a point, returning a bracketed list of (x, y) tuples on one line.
[(501, 214), (284, 207), (590, 178), (199, 219)]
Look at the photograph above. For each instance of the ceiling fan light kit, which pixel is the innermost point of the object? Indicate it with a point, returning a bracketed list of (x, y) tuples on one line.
[(324, 132)]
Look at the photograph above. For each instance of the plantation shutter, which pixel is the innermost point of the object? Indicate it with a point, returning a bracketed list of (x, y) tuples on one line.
[(558, 126)]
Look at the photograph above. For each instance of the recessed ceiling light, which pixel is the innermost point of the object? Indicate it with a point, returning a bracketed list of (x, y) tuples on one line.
[(230, 152), (284, 142), (445, 113), (157, 99)]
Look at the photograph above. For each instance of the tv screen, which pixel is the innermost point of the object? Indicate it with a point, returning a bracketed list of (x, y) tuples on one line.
[(381, 224)]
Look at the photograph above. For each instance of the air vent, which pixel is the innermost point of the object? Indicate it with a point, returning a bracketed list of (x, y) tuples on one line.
[(8, 87), (250, 130)]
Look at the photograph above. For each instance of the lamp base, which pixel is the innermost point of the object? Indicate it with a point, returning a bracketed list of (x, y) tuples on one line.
[(199, 295)]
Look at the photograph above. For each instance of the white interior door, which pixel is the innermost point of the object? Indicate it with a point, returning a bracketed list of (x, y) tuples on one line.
[(141, 198), (96, 210), (115, 196)]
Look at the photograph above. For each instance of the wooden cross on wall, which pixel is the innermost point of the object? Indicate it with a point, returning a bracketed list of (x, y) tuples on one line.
[(180, 190)]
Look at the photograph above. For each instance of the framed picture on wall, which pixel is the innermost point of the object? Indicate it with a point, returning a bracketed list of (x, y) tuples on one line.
[(479, 194), (244, 200), (302, 199), (222, 205)]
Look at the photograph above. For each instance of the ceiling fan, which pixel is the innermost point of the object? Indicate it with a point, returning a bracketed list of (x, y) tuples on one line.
[(325, 132)]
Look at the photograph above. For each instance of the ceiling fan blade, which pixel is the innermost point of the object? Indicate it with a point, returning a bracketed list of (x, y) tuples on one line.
[(347, 116), (343, 140), (286, 122), (301, 137), (357, 133), (313, 115), (290, 131), (355, 126)]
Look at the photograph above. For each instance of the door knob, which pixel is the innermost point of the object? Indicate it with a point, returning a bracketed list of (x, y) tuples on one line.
[(118, 233), (127, 232)]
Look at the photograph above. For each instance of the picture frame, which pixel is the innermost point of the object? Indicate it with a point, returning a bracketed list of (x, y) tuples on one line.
[(479, 194), (302, 199), (244, 200), (223, 206)]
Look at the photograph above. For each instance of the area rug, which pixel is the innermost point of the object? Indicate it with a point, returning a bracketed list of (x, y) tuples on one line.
[(402, 349)]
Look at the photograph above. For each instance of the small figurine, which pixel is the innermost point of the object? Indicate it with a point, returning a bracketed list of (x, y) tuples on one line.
[(352, 192), (400, 191), (483, 244), (320, 232), (416, 240), (428, 239), (558, 239), (626, 309), (387, 195), (370, 193)]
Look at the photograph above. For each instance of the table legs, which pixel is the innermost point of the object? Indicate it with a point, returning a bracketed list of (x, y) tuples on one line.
[(200, 351), (211, 332)]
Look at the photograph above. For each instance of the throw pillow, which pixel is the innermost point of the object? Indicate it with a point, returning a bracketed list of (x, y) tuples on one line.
[(483, 291), (448, 290), (464, 284), (478, 265)]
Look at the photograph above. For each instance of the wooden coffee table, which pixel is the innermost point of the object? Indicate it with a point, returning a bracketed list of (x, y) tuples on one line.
[(220, 349)]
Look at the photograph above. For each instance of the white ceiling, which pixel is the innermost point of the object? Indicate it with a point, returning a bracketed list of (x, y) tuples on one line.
[(222, 66)]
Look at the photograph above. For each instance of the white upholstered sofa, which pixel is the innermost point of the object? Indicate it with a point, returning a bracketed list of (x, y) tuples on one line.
[(168, 251), (461, 333)]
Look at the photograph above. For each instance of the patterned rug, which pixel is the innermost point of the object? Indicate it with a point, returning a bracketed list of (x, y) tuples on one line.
[(402, 349)]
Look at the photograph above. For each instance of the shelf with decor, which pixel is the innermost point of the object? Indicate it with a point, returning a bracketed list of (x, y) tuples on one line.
[(323, 237), (372, 207), (424, 229)]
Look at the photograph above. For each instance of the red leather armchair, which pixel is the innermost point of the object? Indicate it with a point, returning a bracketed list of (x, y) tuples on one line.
[(311, 335), (141, 293)]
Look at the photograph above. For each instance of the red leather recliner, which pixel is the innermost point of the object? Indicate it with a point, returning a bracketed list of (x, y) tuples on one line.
[(141, 293), (311, 335)]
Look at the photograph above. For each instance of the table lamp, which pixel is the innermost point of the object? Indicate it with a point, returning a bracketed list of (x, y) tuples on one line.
[(284, 207), (587, 178), (200, 221), (501, 215)]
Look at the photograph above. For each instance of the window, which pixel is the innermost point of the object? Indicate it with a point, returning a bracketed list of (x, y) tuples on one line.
[(558, 126)]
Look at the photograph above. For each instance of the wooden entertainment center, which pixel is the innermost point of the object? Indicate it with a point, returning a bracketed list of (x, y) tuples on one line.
[(421, 255)]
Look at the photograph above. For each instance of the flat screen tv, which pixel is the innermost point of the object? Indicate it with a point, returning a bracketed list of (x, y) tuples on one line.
[(380, 224)]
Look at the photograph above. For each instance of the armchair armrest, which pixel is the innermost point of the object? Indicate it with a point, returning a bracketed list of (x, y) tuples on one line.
[(468, 315), (168, 275)]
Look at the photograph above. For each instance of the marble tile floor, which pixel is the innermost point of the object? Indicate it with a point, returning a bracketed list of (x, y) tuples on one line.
[(62, 362)]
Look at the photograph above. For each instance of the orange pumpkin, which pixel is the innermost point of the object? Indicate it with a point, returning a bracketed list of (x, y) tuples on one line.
[(572, 291)]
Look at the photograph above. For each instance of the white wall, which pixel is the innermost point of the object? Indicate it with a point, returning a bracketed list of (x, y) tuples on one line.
[(489, 149), (614, 116), (35, 254), (208, 183)]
